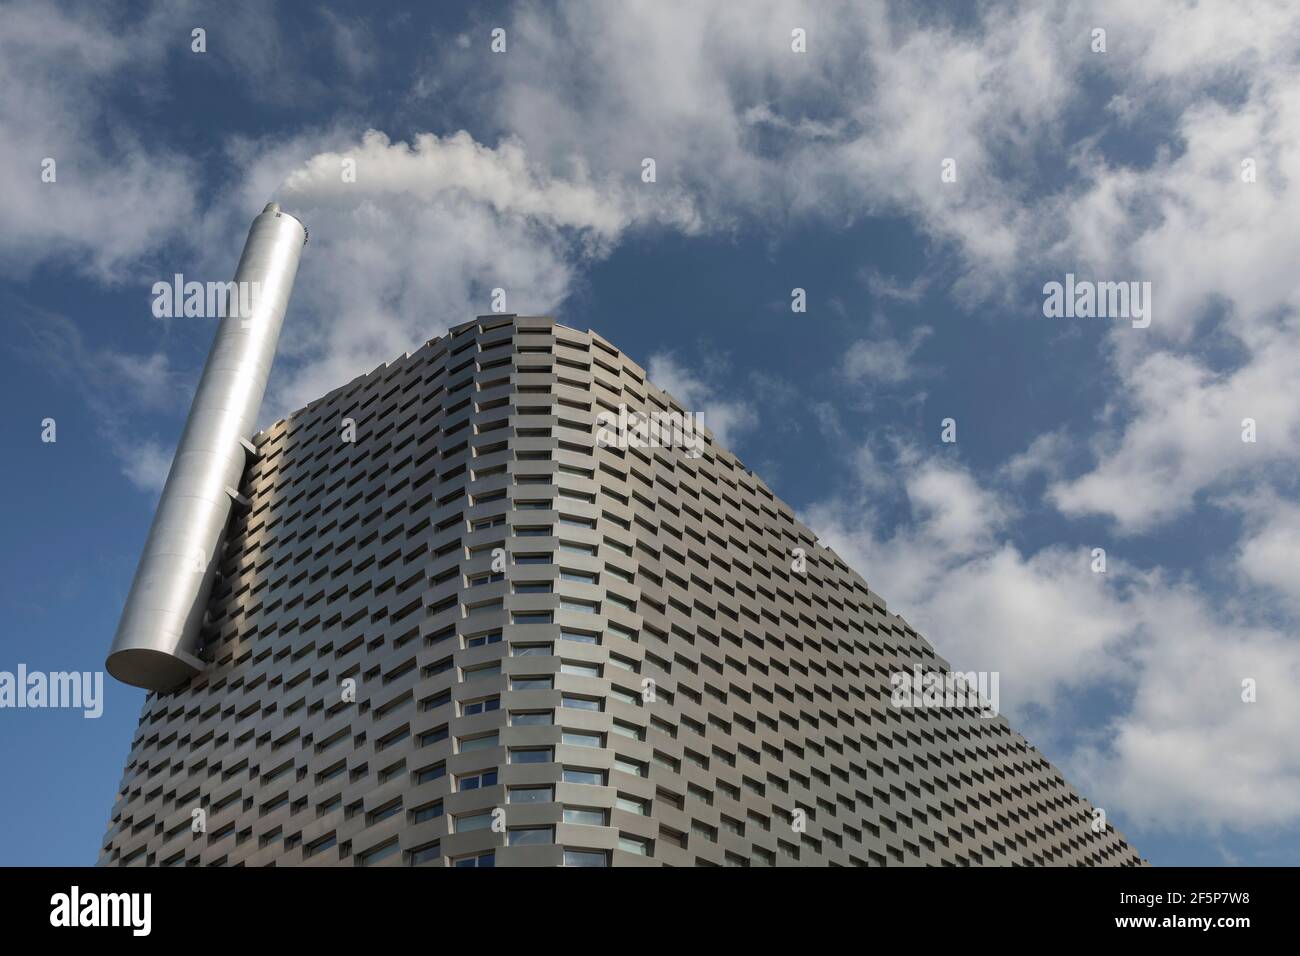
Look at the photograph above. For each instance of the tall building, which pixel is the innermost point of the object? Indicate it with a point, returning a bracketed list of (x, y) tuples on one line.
[(453, 624)]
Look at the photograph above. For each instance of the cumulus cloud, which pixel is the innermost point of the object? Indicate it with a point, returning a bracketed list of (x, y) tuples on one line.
[(698, 392), (949, 566), (1179, 749), (115, 198), (882, 359)]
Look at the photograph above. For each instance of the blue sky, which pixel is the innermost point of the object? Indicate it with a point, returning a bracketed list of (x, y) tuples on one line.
[(775, 170)]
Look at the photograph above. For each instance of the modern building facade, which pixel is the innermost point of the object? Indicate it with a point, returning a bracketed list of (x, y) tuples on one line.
[(451, 625)]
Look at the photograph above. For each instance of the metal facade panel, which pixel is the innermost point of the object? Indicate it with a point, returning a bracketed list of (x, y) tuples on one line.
[(371, 561)]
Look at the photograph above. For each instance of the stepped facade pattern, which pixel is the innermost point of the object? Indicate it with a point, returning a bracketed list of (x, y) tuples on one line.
[(452, 628)]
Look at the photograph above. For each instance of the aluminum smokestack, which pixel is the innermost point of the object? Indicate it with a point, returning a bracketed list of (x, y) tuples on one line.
[(157, 641)]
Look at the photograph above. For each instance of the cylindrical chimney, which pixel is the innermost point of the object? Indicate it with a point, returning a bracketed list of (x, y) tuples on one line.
[(157, 641)]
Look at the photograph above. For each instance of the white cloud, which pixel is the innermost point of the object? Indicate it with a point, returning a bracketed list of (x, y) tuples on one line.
[(1186, 431), (728, 420), (1179, 749), (116, 197), (1189, 754), (1045, 621), (1268, 553), (882, 360), (417, 243)]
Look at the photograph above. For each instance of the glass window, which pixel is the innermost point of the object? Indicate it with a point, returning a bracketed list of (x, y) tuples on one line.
[(371, 857), (633, 805), (425, 854), (531, 718), (590, 818), (581, 740), (634, 845), (596, 777), (531, 617), (531, 794), (470, 744), (530, 650), (429, 811), (474, 781), (384, 812), (469, 822), (537, 755), (431, 773), (478, 860), (580, 703), (532, 587), (530, 683), (470, 708), (627, 730), (586, 858), (633, 767), (530, 836)]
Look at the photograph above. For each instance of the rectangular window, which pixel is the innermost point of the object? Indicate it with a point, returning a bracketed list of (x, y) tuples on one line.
[(433, 736), (582, 740), (382, 852), (480, 860), (580, 703), (631, 844), (633, 805), (317, 846), (530, 683), (475, 781), (531, 755), (530, 794), (584, 817), (383, 813), (483, 670), (586, 858), (627, 730), (592, 777), (531, 718), (431, 773), (530, 617), (634, 767), (531, 650), (469, 822), (426, 854), (430, 811), (530, 836), (481, 706), (470, 744)]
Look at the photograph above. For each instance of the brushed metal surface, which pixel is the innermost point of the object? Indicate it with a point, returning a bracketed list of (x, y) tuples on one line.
[(156, 645)]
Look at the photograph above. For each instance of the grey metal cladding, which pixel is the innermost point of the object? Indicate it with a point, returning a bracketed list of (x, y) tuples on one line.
[(372, 562)]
